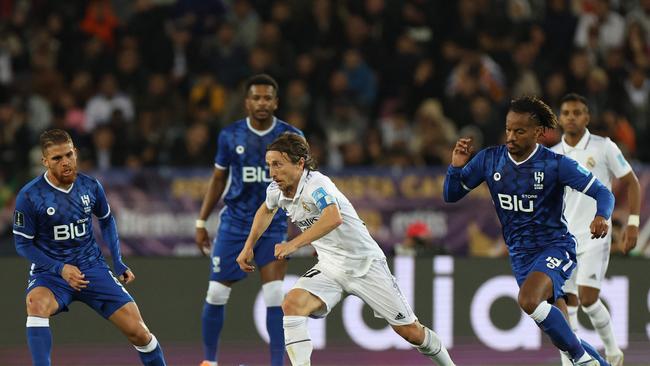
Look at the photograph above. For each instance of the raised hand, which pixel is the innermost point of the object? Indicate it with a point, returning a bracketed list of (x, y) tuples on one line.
[(462, 152)]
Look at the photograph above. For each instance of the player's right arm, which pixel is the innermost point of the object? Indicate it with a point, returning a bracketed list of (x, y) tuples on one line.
[(462, 176), (215, 190), (216, 186), (263, 218), (24, 230)]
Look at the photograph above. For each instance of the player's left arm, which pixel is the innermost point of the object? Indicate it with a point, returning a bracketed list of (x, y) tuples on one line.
[(631, 232), (574, 175), (330, 218), (109, 233)]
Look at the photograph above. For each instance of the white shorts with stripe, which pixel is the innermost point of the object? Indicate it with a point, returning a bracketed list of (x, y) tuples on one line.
[(377, 288), (592, 264)]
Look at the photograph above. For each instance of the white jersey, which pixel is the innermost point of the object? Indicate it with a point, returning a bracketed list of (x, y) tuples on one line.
[(347, 250), (604, 159)]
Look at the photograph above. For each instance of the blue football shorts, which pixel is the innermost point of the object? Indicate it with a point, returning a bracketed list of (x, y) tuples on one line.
[(557, 262), (227, 246), (105, 294)]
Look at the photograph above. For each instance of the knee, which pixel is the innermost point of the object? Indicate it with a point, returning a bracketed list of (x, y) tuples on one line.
[(41, 306), (218, 293), (588, 299), (528, 303), (290, 305), (412, 333), (139, 334)]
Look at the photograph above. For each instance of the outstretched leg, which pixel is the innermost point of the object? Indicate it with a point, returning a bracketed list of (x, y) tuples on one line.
[(297, 305), (534, 292)]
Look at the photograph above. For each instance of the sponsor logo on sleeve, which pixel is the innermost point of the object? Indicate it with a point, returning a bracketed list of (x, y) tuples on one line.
[(19, 219)]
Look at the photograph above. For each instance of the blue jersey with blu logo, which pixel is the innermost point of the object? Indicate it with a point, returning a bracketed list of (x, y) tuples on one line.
[(59, 222), (528, 195), (242, 150)]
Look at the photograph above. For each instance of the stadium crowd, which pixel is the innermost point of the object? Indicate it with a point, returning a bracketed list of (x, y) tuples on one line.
[(150, 83)]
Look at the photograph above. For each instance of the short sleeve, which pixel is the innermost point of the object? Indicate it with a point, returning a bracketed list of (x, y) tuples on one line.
[(322, 191), (616, 162), (24, 223), (272, 196), (223, 158), (574, 175)]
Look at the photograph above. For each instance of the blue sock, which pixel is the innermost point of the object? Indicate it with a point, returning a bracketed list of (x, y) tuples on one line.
[(151, 354), (593, 353), (39, 339), (551, 320), (212, 322), (274, 316)]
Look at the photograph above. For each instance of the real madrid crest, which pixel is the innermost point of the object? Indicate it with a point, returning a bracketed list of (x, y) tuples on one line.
[(304, 205), (591, 162)]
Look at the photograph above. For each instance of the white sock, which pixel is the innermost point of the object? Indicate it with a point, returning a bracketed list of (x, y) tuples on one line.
[(433, 348), (573, 317), (602, 323), (566, 359), (296, 340), (153, 343)]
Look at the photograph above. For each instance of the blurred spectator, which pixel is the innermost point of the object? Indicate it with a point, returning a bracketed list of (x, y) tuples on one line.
[(105, 153), (100, 108), (14, 138), (637, 108), (360, 78), (418, 242), (559, 26), (641, 15), (601, 30), (224, 57), (246, 23), (554, 89), (194, 148), (434, 133), (100, 21)]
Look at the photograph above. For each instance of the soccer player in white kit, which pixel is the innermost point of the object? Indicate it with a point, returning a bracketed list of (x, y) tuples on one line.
[(349, 260), (604, 159)]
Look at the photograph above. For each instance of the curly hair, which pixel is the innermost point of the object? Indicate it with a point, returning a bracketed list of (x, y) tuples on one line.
[(539, 111)]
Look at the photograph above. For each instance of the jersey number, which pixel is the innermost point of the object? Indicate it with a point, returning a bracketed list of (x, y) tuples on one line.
[(216, 262), (311, 273), (553, 262)]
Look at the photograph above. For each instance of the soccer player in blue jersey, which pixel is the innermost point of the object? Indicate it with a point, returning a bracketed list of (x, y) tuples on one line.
[(241, 176), (53, 228), (527, 182)]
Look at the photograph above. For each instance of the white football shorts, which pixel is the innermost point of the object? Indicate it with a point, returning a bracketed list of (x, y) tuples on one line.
[(593, 260), (377, 288)]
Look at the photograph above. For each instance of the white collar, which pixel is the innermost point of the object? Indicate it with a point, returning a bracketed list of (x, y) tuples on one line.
[(55, 187), (525, 160), (258, 132), (301, 185), (581, 145)]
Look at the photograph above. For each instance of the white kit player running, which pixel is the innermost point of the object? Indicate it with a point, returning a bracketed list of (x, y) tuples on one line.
[(349, 260), (604, 159)]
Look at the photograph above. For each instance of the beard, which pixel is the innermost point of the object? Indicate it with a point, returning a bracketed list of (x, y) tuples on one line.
[(67, 179)]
